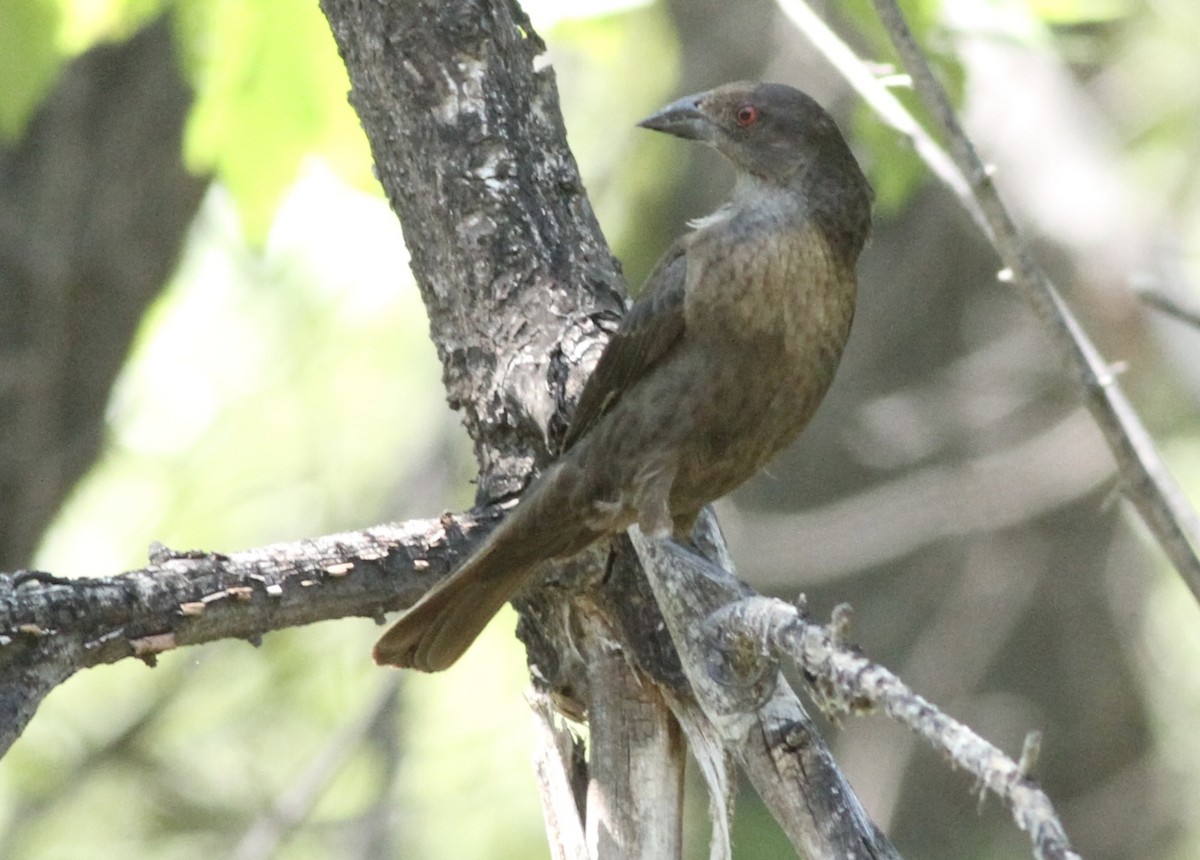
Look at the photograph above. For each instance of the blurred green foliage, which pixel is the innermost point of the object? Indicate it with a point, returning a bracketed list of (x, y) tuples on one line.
[(29, 60), (893, 167), (270, 87), (271, 90), (1080, 11), (614, 70)]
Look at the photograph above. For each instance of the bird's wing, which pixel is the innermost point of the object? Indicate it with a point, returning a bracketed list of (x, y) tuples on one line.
[(651, 327)]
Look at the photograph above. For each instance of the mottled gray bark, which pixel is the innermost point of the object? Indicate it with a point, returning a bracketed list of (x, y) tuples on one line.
[(51, 627)]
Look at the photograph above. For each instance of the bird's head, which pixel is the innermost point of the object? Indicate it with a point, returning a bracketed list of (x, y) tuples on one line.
[(770, 130), (782, 138)]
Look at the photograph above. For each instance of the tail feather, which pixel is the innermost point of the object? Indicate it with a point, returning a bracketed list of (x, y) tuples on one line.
[(443, 624)]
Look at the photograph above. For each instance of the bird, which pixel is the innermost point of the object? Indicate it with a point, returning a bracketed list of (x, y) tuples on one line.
[(718, 365)]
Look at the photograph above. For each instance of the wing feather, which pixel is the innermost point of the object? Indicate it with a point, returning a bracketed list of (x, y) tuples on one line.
[(647, 333)]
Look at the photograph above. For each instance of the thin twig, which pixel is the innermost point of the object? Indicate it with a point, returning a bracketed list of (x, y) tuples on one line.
[(1171, 305), (846, 682), (880, 98), (1146, 480)]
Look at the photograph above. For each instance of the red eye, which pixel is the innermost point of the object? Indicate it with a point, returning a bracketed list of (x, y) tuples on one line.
[(746, 116)]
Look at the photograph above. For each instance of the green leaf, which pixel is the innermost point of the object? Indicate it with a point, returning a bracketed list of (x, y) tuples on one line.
[(894, 168), (29, 61), (271, 90)]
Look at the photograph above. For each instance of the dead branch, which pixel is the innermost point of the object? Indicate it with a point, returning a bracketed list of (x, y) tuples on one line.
[(758, 629)]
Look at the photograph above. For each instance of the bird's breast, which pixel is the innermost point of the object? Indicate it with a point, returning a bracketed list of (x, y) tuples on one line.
[(767, 318), (770, 289)]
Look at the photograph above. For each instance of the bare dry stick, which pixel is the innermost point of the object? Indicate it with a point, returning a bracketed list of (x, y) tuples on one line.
[(880, 98), (847, 682), (760, 721), (635, 767), (555, 766), (1146, 480), (1172, 305)]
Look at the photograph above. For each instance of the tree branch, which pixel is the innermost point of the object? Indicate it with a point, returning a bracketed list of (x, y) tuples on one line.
[(760, 720), (1145, 478), (635, 796), (1170, 304), (52, 627), (559, 769), (467, 138), (846, 682)]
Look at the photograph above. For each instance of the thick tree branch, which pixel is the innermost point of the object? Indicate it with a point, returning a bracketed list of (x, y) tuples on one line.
[(468, 142), (50, 628)]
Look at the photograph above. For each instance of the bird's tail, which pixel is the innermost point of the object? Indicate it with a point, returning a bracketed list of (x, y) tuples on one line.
[(442, 625), (436, 631)]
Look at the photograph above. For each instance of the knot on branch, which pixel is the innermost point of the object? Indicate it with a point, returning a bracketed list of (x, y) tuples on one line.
[(756, 629), (741, 661)]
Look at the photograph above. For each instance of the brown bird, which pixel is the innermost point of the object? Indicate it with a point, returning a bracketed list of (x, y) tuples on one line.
[(717, 366)]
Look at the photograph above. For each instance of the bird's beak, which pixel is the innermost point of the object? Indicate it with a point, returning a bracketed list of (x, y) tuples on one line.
[(682, 118)]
